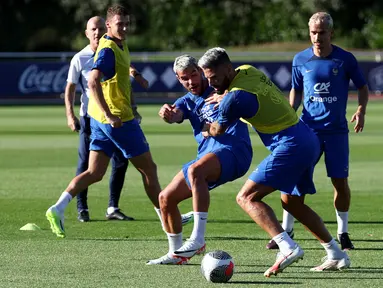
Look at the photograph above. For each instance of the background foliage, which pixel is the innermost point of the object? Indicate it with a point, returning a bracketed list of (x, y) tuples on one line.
[(58, 25)]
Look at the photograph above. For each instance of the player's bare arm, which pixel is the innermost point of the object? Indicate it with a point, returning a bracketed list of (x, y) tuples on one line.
[(213, 129), (295, 98), (171, 114), (137, 115), (138, 77), (95, 88), (72, 120), (358, 116)]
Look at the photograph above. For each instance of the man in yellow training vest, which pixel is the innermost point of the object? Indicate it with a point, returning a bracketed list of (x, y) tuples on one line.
[(294, 148), (113, 125)]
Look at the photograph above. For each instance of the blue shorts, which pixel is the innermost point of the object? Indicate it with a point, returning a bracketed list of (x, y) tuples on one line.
[(129, 138), (233, 166), (290, 166), (336, 154)]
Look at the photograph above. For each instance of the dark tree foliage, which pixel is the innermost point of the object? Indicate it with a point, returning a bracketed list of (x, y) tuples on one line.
[(58, 25)]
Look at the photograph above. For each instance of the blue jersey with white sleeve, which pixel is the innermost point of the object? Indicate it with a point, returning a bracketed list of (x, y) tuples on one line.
[(198, 113), (325, 82)]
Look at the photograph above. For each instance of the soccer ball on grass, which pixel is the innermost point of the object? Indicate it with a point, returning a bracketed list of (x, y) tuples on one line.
[(217, 266)]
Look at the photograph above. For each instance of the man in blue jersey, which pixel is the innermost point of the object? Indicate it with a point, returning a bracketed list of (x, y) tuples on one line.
[(289, 168), (322, 74), (219, 160)]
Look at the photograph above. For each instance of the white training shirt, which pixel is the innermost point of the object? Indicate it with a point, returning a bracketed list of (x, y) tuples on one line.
[(80, 66)]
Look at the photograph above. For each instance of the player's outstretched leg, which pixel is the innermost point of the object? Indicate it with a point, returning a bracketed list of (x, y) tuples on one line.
[(98, 163), (169, 198), (250, 199), (336, 259)]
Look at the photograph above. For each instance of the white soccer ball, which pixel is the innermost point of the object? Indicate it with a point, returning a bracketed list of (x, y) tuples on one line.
[(217, 266)]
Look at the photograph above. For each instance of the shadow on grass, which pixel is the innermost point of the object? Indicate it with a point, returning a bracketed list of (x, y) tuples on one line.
[(243, 238), (326, 277), (356, 249), (136, 220), (357, 270), (263, 282), (239, 221)]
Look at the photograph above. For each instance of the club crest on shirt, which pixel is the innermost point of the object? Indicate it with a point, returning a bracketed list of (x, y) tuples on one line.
[(335, 71)]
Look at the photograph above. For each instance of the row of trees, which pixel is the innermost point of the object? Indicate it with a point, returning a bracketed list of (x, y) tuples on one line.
[(58, 25)]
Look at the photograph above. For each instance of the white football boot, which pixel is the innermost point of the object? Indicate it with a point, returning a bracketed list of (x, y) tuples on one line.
[(189, 249), (168, 260), (333, 264), (284, 261)]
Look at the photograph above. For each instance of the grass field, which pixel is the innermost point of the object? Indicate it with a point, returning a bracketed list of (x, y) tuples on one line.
[(38, 157)]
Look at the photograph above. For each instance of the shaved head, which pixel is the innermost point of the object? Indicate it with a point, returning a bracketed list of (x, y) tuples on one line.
[(94, 21), (95, 28)]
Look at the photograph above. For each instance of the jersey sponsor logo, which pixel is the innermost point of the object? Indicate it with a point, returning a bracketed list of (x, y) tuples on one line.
[(206, 113), (320, 99), (308, 71), (322, 88)]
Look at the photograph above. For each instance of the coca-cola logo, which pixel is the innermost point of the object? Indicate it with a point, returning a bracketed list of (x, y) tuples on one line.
[(34, 79), (376, 78)]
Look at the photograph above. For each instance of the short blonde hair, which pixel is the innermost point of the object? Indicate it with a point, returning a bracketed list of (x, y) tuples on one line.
[(322, 17)]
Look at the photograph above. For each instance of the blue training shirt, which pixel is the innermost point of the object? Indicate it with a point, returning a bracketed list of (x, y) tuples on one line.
[(325, 83), (198, 113), (106, 62), (243, 104)]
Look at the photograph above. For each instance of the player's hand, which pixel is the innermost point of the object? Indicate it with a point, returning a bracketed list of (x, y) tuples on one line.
[(358, 117), (215, 98), (137, 115), (74, 123), (166, 113), (114, 121), (205, 130), (142, 81)]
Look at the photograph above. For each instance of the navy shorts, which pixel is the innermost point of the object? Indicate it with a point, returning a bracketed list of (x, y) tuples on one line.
[(336, 154)]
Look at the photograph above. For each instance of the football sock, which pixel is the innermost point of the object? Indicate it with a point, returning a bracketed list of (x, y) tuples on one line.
[(175, 241), (332, 249), (158, 210), (110, 210), (342, 219), (198, 234), (63, 201), (285, 243), (288, 221)]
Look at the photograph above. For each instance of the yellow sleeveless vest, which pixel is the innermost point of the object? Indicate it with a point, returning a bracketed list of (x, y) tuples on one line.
[(274, 113), (117, 89)]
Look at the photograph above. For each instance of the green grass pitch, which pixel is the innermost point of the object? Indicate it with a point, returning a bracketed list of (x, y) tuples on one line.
[(38, 157)]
